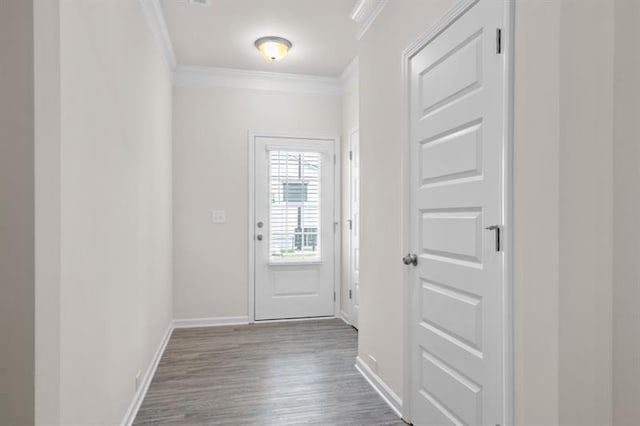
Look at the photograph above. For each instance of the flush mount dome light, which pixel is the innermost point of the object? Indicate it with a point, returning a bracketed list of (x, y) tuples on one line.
[(273, 48)]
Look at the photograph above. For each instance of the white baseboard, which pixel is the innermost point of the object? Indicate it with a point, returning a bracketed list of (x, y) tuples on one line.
[(146, 380), (345, 317), (209, 322), (380, 386), (132, 412)]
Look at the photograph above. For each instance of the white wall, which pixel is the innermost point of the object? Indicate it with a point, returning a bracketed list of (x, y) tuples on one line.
[(16, 213), (47, 210), (111, 107), (210, 164), (536, 206), (563, 222), (626, 315), (350, 119), (586, 212), (399, 23)]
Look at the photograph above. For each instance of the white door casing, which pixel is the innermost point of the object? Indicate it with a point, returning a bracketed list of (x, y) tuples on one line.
[(354, 227), (293, 246), (458, 355)]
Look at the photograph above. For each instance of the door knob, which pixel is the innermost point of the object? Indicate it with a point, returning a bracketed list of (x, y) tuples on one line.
[(410, 259), (260, 224), (259, 237)]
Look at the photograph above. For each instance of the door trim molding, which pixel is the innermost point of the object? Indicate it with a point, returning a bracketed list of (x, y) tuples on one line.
[(508, 282), (337, 208), (349, 257)]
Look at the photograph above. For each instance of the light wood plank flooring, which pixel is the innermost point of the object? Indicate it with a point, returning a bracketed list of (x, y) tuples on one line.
[(285, 373)]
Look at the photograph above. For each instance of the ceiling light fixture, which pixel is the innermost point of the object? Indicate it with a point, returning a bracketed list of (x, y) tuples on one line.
[(273, 48)]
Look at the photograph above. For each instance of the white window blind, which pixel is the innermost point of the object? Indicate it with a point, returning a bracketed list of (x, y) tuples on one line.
[(294, 183)]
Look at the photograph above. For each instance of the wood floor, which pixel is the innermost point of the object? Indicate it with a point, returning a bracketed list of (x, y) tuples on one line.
[(265, 374)]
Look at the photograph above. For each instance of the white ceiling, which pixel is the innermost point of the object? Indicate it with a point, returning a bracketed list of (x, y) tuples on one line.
[(222, 34)]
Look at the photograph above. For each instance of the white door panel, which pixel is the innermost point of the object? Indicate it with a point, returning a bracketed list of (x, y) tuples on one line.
[(294, 231), (456, 191), (455, 234), (456, 155), (439, 301)]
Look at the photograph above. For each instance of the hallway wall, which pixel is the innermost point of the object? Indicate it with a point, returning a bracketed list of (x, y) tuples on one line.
[(17, 252), (586, 212), (626, 290), (47, 210), (381, 295), (210, 161), (536, 201), (104, 144)]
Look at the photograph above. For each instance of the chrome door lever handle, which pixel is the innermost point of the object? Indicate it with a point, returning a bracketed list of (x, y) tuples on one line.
[(410, 259)]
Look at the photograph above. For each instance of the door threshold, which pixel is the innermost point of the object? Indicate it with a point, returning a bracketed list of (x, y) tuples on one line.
[(294, 319)]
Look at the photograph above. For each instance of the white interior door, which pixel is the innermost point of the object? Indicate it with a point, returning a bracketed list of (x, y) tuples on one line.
[(354, 225), (457, 118), (293, 229)]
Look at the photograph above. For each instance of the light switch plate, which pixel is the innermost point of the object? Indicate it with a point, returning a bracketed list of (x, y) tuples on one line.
[(218, 216)]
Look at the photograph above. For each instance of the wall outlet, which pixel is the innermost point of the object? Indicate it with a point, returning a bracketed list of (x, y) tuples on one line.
[(373, 363), (138, 378), (218, 216)]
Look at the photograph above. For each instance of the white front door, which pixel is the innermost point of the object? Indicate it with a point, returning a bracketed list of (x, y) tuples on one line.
[(294, 229), (354, 225), (457, 145)]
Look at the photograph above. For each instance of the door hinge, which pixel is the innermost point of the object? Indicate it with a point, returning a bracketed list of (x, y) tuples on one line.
[(351, 155), (350, 294), (496, 229), (334, 296), (334, 159), (350, 224), (498, 40)]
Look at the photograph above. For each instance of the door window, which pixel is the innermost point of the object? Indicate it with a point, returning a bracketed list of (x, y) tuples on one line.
[(294, 211)]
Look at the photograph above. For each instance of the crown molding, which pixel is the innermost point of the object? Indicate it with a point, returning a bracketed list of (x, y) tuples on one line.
[(203, 77), (365, 12), (158, 26), (206, 77)]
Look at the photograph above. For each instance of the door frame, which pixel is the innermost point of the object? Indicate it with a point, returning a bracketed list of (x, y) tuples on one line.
[(507, 203), (337, 208), (349, 256)]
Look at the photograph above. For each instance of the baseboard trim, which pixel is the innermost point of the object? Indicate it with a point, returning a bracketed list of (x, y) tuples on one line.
[(344, 317), (380, 386), (132, 412), (209, 322)]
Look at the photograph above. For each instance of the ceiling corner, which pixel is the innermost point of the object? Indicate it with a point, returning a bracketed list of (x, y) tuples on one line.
[(350, 74), (158, 27)]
